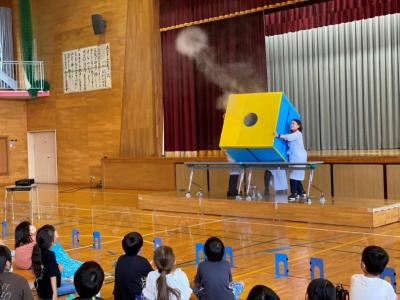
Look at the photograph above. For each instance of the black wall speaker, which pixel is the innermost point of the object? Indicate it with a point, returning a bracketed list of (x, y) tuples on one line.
[(98, 24)]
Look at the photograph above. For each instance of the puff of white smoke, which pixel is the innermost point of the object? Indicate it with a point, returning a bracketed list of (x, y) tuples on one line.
[(191, 41)]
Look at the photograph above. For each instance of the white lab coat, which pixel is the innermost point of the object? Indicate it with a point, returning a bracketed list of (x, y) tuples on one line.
[(296, 153), (279, 180)]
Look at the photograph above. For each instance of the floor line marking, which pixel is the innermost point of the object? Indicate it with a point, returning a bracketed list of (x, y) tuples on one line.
[(157, 232)]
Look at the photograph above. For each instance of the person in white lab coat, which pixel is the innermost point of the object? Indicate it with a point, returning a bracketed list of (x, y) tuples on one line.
[(297, 154)]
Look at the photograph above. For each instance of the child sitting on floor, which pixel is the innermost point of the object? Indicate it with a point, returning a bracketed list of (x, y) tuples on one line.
[(131, 269), (369, 286), (214, 277)]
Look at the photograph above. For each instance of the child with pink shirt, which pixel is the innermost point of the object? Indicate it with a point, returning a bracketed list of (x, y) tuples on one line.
[(25, 240)]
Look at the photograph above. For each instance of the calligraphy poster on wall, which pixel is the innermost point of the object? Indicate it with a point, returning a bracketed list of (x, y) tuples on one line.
[(87, 69)]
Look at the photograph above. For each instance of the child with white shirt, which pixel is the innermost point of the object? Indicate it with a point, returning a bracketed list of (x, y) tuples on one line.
[(369, 286), (166, 283)]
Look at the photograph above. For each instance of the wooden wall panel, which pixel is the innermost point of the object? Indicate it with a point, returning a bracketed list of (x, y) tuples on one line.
[(358, 181), (3, 156), (13, 125), (139, 174), (393, 181), (88, 124), (5, 3), (141, 132)]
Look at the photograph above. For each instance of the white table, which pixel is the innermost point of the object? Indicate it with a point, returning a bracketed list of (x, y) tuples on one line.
[(11, 189), (248, 167)]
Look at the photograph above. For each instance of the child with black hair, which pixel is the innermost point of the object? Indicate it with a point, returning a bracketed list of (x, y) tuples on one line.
[(12, 286), (25, 240), (262, 292), (297, 154), (44, 264), (321, 289), (369, 286), (88, 281), (131, 269), (167, 282), (214, 277)]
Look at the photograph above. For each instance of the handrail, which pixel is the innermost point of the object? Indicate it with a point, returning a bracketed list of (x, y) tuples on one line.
[(21, 75)]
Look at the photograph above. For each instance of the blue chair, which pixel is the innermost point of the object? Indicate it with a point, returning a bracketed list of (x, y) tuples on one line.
[(314, 263), (75, 237), (157, 242), (281, 258), (229, 251), (96, 238), (4, 228), (391, 273), (199, 248)]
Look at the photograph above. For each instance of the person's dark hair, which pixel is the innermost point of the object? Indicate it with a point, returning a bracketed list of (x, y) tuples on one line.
[(88, 279), (299, 123), (5, 256), (214, 249), (44, 240), (23, 234), (261, 292), (164, 260), (132, 242), (375, 259), (321, 289)]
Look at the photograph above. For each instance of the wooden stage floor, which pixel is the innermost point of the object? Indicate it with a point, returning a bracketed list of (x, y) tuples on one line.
[(254, 241), (334, 211)]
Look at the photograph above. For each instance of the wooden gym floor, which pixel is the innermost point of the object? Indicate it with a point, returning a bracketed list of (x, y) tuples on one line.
[(254, 241)]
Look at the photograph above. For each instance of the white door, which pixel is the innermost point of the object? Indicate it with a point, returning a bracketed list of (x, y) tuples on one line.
[(42, 156)]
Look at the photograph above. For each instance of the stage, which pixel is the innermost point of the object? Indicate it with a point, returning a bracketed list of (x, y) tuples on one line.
[(368, 213)]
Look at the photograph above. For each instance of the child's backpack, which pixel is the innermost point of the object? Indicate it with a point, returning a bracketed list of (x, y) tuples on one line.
[(342, 293)]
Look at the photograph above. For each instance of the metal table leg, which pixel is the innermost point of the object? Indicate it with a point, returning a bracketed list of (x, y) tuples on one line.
[(12, 205), (248, 197), (37, 202), (310, 179), (5, 204), (241, 178), (189, 190)]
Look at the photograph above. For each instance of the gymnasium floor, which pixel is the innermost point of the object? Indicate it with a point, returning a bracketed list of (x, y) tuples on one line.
[(114, 213)]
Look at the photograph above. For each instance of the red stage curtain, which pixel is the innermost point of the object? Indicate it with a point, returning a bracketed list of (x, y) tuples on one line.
[(323, 13), (174, 12), (191, 119)]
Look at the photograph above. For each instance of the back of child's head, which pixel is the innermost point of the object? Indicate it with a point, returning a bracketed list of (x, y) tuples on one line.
[(23, 234), (164, 260), (132, 243), (88, 279), (321, 289), (5, 256), (45, 236), (214, 249), (262, 292), (44, 240), (374, 259)]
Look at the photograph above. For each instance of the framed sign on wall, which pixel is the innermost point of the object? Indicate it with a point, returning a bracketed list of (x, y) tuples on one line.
[(87, 69)]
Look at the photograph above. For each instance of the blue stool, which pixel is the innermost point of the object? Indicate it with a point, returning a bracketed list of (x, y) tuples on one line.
[(66, 288), (199, 249), (281, 258), (391, 273), (75, 237), (157, 242), (314, 263), (4, 228), (96, 238), (229, 251)]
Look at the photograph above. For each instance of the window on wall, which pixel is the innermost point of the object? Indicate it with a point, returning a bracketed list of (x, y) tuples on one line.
[(3, 155)]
